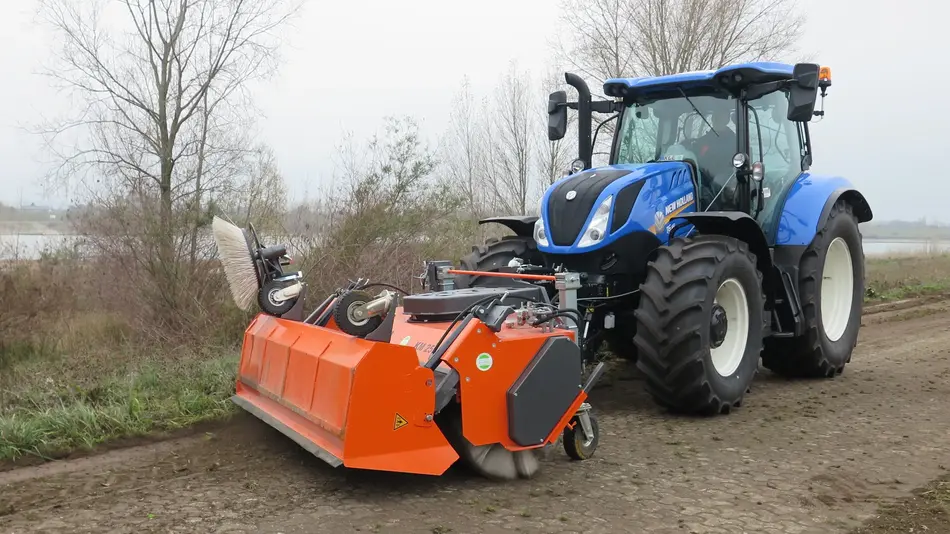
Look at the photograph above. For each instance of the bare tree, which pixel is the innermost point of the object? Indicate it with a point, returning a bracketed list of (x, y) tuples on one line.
[(514, 127), (163, 110), (465, 154), (625, 38), (601, 31)]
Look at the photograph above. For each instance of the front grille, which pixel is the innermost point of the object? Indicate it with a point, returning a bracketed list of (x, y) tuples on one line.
[(566, 218)]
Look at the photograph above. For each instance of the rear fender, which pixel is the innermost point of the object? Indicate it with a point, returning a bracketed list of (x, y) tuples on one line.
[(521, 225), (808, 203)]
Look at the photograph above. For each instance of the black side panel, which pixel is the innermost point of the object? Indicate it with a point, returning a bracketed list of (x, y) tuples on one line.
[(566, 217), (624, 204), (544, 391), (445, 305)]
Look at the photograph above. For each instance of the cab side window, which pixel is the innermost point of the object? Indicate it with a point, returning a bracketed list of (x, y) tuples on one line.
[(775, 141)]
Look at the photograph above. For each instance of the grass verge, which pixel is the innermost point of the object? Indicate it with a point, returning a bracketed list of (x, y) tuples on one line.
[(57, 405), (900, 277)]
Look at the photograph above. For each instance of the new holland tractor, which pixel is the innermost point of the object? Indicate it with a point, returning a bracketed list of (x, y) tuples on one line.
[(706, 244)]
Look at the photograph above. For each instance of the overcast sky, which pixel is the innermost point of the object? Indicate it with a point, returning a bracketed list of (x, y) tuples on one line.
[(349, 64)]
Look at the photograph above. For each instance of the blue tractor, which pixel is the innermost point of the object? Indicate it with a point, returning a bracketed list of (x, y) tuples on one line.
[(706, 244)]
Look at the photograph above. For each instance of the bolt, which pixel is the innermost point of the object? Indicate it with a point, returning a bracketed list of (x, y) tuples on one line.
[(468, 379), (428, 383), (479, 330), (493, 345), (428, 417), (456, 359)]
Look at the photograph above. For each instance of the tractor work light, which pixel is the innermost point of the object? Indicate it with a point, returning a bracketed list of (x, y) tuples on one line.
[(758, 171), (577, 166), (738, 161)]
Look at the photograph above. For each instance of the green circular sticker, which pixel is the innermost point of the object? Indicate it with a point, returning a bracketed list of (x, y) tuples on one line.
[(483, 361)]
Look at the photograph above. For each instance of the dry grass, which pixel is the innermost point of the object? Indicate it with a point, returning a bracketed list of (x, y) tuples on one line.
[(905, 276)]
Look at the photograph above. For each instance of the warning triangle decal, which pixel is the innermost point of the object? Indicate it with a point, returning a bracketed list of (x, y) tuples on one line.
[(399, 422)]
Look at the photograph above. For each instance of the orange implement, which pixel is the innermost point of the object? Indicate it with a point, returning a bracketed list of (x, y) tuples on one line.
[(422, 392), (349, 401)]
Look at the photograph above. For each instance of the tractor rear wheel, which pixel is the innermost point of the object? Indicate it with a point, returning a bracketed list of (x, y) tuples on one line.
[(831, 288), (495, 255), (700, 324)]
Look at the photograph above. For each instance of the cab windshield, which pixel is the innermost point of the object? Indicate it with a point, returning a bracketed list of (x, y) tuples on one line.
[(700, 128)]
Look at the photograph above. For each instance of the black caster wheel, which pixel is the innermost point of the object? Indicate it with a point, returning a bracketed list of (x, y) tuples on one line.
[(347, 316), (267, 301), (576, 444)]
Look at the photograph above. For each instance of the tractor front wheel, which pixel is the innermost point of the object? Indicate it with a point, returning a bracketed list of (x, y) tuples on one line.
[(700, 324), (493, 256), (831, 288)]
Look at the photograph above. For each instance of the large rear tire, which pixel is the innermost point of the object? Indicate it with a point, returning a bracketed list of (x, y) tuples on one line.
[(831, 289), (700, 324), (495, 255)]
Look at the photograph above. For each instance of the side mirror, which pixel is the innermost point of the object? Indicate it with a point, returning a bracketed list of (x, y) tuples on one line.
[(803, 92), (557, 115)]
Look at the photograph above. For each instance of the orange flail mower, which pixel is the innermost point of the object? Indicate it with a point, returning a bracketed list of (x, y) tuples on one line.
[(412, 383)]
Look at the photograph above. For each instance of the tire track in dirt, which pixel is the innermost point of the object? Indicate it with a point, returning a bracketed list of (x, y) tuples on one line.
[(800, 456)]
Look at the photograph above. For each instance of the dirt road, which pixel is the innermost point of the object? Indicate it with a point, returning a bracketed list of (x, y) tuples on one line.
[(799, 457)]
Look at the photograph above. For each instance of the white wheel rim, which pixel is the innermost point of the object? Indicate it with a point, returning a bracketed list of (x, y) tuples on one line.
[(728, 355), (837, 289)]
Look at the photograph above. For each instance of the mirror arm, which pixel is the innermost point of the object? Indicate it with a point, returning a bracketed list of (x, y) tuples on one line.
[(755, 91), (606, 106)]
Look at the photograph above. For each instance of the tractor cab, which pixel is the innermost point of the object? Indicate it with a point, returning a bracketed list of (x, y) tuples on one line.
[(742, 129)]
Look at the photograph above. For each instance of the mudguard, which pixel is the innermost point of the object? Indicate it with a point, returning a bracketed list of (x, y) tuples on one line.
[(521, 225), (807, 205), (734, 224)]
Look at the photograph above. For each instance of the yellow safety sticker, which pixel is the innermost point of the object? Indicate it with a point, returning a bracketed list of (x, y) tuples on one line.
[(399, 422)]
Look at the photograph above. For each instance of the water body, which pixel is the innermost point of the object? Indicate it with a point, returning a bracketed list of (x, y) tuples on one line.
[(30, 246)]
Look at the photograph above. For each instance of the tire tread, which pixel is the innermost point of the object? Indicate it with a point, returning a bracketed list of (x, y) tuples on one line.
[(668, 336)]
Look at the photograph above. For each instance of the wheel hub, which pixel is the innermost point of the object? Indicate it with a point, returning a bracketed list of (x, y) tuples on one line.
[(718, 326)]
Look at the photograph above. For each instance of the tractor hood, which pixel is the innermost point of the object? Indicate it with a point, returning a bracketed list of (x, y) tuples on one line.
[(593, 208)]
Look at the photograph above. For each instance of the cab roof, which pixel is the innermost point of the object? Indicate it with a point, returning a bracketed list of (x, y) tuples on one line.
[(725, 78)]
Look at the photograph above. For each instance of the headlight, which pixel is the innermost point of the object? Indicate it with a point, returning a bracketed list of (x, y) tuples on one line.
[(597, 229), (539, 236)]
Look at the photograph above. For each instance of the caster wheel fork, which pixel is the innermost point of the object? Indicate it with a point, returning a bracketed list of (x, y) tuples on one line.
[(582, 434)]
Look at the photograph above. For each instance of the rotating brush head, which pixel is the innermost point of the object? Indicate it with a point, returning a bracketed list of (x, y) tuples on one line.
[(235, 255)]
